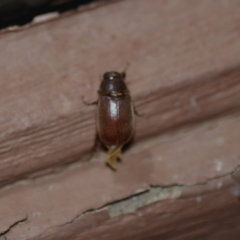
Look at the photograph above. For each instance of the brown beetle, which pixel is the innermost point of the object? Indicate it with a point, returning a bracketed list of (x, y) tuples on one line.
[(115, 115)]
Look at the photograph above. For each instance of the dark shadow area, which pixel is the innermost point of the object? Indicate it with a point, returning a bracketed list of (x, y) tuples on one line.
[(20, 12)]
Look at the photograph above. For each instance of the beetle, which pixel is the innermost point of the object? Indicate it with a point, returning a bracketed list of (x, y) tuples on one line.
[(115, 115)]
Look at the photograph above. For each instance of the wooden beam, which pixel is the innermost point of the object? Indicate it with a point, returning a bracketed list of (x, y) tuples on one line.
[(184, 78)]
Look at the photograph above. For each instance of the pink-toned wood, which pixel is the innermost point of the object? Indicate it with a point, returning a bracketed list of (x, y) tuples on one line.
[(186, 218), (184, 78), (184, 66), (200, 156)]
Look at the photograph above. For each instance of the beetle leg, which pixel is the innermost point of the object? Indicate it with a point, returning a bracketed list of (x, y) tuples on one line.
[(137, 113), (97, 144), (112, 157), (87, 103)]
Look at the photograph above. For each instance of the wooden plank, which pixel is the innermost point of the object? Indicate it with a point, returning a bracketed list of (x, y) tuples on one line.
[(184, 66), (185, 218), (197, 164)]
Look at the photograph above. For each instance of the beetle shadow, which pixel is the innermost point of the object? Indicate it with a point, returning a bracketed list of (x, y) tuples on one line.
[(98, 146), (128, 145)]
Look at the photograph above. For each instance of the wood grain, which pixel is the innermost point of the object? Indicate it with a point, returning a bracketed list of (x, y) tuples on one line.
[(76, 203), (184, 66), (184, 78)]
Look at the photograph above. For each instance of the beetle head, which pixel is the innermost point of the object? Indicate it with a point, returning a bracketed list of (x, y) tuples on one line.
[(113, 84)]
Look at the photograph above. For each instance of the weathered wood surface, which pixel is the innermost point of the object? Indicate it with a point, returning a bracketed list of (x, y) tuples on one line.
[(187, 218), (198, 163), (184, 68)]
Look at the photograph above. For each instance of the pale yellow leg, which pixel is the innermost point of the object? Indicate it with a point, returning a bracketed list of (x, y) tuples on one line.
[(113, 155)]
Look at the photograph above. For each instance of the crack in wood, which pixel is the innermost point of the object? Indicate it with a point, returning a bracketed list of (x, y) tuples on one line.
[(12, 226), (148, 196)]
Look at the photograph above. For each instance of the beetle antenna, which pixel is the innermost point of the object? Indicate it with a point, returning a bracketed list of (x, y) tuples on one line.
[(124, 72)]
